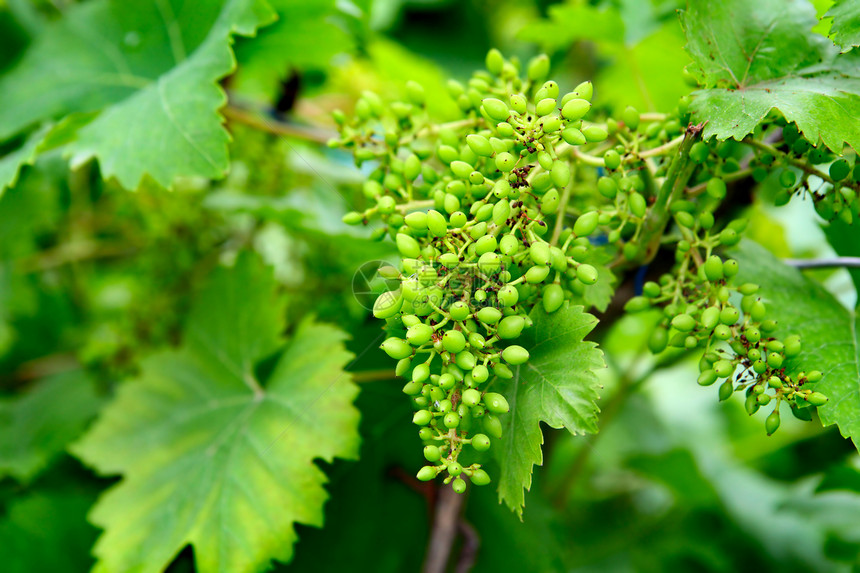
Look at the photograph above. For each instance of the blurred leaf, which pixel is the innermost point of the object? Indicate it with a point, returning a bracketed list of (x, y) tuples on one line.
[(47, 138), (151, 67), (845, 29), (304, 37), (47, 531), (37, 425), (211, 454), (828, 331), (644, 53), (757, 56), (557, 386)]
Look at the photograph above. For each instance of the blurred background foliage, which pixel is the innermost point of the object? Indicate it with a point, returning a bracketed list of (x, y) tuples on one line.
[(93, 278)]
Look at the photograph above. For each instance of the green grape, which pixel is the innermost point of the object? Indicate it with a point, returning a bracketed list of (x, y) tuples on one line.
[(479, 144), (595, 133), (817, 399), (422, 417), (495, 108), (427, 473), (480, 477), (492, 425), (453, 341), (515, 355), (396, 348), (481, 442), (637, 204), (575, 109), (771, 424), (573, 136), (630, 117), (612, 159), (510, 327), (432, 453), (505, 162), (587, 274), (725, 390), (787, 178), (451, 420), (684, 322), (586, 224), (496, 403), (459, 486), (714, 268), (552, 297), (659, 340), (459, 311), (419, 334)]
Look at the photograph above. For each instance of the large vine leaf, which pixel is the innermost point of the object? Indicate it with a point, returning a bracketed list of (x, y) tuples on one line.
[(150, 68), (753, 57), (845, 28), (828, 331), (556, 386), (213, 451), (39, 424)]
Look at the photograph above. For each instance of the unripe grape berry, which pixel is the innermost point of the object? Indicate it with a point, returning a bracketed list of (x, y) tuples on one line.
[(420, 373), (459, 486), (716, 188), (658, 341), (573, 136), (492, 425), (486, 244), (710, 317), (714, 268), (480, 374), (537, 274), (587, 274), (725, 391), (432, 453), (419, 334), (729, 315), (787, 178), (466, 360), (637, 204), (839, 169), (422, 417), (471, 397), (489, 262), (774, 360), (611, 159), (479, 144), (496, 403), (515, 355), (480, 477), (507, 296), (481, 442), (758, 311), (519, 104), (489, 315), (427, 473), (545, 106), (451, 420), (510, 327), (722, 332), (505, 162), (707, 378), (538, 68), (792, 346), (595, 133), (552, 297), (454, 468), (723, 368), (447, 381), (387, 305), (586, 224), (637, 304), (575, 109), (403, 366), (453, 341), (539, 253), (684, 322), (494, 61), (817, 399), (436, 223), (771, 424), (396, 348), (495, 108)]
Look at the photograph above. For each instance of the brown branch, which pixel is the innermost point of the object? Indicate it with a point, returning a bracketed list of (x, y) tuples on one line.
[(445, 522), (315, 134), (469, 552)]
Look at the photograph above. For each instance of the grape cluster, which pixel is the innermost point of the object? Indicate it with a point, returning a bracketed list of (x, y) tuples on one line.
[(698, 311), (518, 204)]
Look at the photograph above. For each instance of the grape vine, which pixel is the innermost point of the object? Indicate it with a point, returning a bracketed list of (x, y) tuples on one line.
[(525, 202)]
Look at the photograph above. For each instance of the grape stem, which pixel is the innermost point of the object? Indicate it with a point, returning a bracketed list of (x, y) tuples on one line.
[(848, 262), (240, 115), (802, 165)]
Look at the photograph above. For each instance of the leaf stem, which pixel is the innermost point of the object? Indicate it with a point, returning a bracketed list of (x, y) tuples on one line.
[(314, 134)]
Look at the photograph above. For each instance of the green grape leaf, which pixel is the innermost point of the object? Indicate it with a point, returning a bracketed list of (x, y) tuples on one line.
[(568, 23), (304, 37), (46, 138), (46, 530), (150, 68), (828, 331), (556, 386), (38, 424), (214, 450), (754, 57), (845, 28)]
